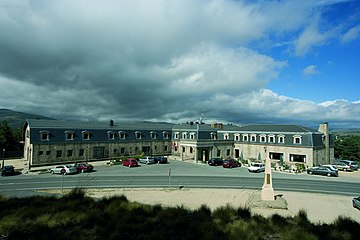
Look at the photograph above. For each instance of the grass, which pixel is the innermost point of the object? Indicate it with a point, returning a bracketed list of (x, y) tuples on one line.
[(77, 216)]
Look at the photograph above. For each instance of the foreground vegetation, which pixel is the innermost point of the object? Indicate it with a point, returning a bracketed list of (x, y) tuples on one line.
[(76, 216)]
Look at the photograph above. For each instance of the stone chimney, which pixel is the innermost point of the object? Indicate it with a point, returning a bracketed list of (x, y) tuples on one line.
[(324, 128)]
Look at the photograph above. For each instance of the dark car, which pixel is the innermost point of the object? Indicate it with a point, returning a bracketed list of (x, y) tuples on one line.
[(160, 159), (130, 162), (84, 167), (8, 170), (215, 162), (356, 202), (231, 163), (322, 171)]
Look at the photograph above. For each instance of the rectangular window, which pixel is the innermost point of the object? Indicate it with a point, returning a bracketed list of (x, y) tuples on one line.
[(86, 136), (44, 136), (41, 153), (69, 136), (122, 150), (111, 136), (165, 148), (218, 153), (69, 153), (138, 135), (48, 153), (58, 153), (191, 150), (81, 152), (122, 135), (99, 152), (271, 139), (166, 135), (297, 158), (228, 152)]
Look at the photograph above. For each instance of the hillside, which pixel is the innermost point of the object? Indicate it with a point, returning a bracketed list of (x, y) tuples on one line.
[(17, 119)]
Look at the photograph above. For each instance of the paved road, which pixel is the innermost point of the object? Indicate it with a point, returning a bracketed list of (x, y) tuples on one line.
[(182, 174)]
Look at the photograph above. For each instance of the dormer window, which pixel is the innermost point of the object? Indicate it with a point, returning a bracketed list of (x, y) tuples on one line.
[(213, 135), (122, 135), (184, 135), (111, 135), (153, 135), (297, 139), (192, 135), (138, 135), (253, 137), (166, 135), (271, 138), (281, 139), (44, 135), (245, 137), (237, 137), (176, 135), (226, 136), (85, 135), (262, 138), (69, 135)]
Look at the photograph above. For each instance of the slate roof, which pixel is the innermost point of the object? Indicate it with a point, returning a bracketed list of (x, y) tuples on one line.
[(277, 128)]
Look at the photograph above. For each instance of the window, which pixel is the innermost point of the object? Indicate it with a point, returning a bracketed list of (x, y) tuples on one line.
[(183, 149), (271, 138), (165, 148), (69, 153), (58, 153), (262, 138), (213, 135), (184, 135), (226, 136), (192, 135), (115, 150), (166, 135), (81, 152), (69, 135), (99, 152), (138, 135), (48, 153), (45, 135), (245, 137), (297, 139), (122, 135), (176, 135), (111, 135), (218, 153), (237, 137), (253, 138), (41, 153), (122, 150), (281, 139), (85, 135), (228, 152), (191, 150), (297, 158), (153, 135)]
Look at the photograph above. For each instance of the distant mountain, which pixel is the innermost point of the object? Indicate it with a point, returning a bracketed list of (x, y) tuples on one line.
[(346, 132), (17, 119)]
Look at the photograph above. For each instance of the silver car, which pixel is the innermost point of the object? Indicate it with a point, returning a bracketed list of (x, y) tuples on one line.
[(342, 166), (147, 160), (63, 169), (350, 163)]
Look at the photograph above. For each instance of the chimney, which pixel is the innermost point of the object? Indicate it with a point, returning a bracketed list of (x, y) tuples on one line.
[(111, 123), (324, 128)]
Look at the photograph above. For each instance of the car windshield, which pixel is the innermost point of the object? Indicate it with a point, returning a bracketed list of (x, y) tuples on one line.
[(69, 166)]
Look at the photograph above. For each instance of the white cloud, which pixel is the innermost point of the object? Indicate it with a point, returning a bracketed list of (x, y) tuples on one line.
[(310, 70), (351, 35)]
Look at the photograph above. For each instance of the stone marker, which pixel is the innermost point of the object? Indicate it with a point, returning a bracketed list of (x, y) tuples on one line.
[(267, 192)]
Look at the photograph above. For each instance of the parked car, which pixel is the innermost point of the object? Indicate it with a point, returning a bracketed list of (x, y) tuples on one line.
[(342, 166), (147, 160), (257, 167), (322, 171), (331, 167), (350, 163), (64, 169), (84, 167), (231, 163), (215, 162), (356, 202), (130, 162), (7, 170), (160, 159)]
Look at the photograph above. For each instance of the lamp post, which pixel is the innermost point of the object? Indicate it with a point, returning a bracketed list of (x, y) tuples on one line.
[(3, 160)]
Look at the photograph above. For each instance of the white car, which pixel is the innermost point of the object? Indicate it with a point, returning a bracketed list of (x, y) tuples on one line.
[(147, 160), (64, 169), (257, 167)]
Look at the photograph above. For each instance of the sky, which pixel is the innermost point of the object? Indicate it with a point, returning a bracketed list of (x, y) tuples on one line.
[(229, 61)]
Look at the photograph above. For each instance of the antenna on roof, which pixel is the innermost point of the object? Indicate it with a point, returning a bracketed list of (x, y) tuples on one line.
[(201, 118)]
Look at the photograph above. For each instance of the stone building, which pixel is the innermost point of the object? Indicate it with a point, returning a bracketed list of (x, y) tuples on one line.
[(52, 141)]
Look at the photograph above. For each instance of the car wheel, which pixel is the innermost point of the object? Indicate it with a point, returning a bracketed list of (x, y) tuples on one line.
[(52, 172), (129, 166), (310, 172), (328, 174), (82, 170)]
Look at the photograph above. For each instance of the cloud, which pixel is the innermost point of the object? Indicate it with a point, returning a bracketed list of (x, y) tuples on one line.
[(152, 60), (310, 70), (351, 35)]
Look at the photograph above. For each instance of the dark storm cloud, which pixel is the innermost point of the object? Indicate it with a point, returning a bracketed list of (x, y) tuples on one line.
[(142, 60)]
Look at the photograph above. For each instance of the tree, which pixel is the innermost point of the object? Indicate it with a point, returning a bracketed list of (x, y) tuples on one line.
[(348, 148), (6, 136)]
